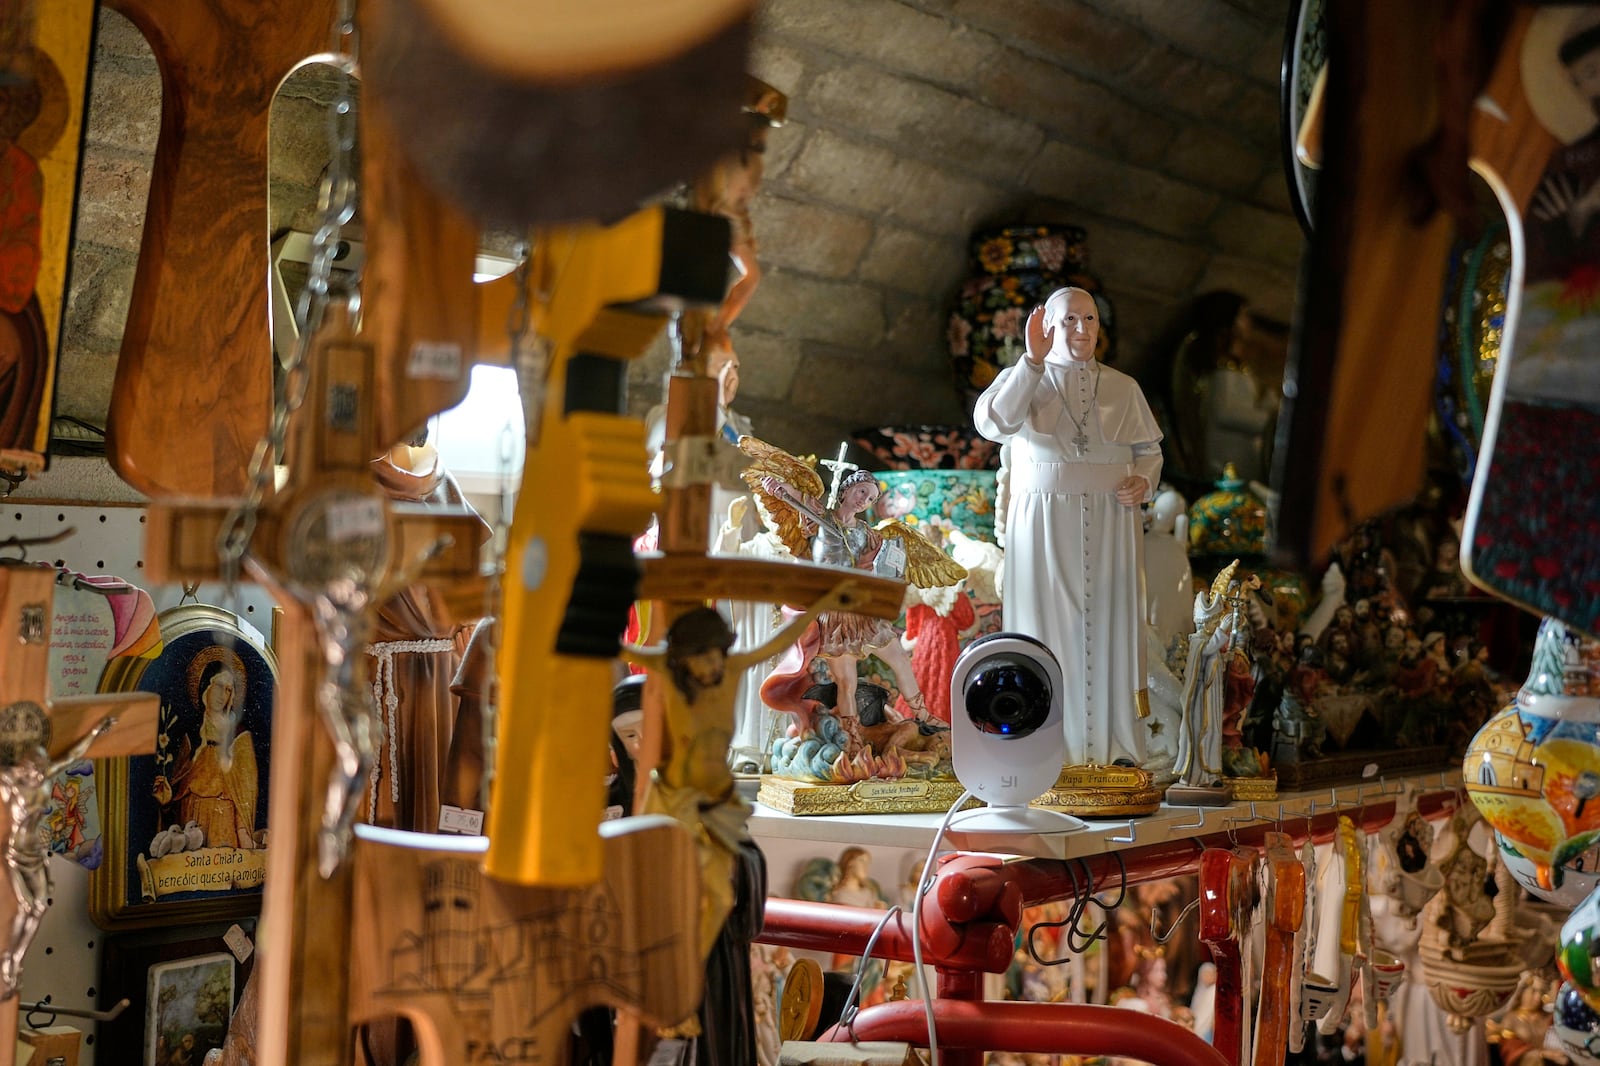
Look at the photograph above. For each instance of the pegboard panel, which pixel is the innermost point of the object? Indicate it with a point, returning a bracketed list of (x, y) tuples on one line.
[(64, 961)]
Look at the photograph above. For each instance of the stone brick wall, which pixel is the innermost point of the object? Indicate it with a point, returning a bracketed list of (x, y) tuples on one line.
[(1151, 123)]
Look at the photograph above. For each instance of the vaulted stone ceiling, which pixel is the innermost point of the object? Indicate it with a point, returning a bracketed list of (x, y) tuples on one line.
[(1152, 124)]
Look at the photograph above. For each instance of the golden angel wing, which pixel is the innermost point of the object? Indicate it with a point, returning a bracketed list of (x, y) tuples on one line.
[(770, 461), (926, 566)]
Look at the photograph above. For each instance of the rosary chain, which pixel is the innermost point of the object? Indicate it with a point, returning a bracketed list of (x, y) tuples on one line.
[(336, 207)]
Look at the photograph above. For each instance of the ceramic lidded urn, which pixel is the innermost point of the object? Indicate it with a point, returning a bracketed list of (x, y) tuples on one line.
[(1533, 770), (1228, 521)]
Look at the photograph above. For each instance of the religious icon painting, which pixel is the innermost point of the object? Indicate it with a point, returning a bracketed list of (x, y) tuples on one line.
[(44, 77), (95, 620), (186, 828), (181, 985), (187, 1006), (1534, 514)]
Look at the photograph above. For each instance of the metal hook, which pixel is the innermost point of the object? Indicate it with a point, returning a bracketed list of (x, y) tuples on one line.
[(1133, 834), (1198, 823), (22, 544), (44, 1006), (1156, 914)]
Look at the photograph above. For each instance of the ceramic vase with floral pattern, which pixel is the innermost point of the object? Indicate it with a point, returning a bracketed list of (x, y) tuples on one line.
[(1534, 768), (938, 502), (928, 447), (1020, 266)]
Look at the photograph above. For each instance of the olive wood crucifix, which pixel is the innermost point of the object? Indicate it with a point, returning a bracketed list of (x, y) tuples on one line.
[(332, 548), (38, 736)]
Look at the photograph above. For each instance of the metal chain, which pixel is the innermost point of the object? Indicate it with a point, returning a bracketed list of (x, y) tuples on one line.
[(336, 206)]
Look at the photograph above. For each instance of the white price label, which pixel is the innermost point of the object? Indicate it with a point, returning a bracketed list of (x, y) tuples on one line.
[(349, 519), (459, 820), (435, 360), (239, 943)]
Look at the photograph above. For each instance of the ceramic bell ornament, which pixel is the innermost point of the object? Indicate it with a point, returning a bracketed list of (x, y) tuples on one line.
[(1578, 957), (1577, 1026), (1579, 877), (1534, 768)]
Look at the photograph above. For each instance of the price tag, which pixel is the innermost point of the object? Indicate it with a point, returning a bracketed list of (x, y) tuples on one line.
[(349, 519), (459, 820), (672, 1051), (434, 360), (239, 943)]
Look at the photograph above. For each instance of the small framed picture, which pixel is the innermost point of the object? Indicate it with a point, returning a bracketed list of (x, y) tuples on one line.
[(187, 1006), (182, 986), (186, 828)]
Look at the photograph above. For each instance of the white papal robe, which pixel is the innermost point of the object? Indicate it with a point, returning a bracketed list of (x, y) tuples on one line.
[(1073, 578)]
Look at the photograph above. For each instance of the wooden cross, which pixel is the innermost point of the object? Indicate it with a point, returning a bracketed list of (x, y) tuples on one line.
[(199, 284), (332, 548), (1227, 878), (103, 726), (1284, 906)]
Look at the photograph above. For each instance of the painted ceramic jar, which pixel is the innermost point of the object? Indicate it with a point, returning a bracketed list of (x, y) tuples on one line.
[(1578, 954), (1228, 522), (1577, 1026), (938, 502), (928, 447), (1578, 877), (1534, 769), (1019, 266)]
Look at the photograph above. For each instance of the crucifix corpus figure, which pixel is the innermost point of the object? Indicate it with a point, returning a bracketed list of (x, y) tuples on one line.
[(25, 775), (1084, 454)]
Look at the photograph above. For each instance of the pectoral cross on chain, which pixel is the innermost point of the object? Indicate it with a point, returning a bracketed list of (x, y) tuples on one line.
[(1080, 441), (839, 468)]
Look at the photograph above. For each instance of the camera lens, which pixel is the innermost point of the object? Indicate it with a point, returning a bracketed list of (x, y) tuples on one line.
[(1008, 695)]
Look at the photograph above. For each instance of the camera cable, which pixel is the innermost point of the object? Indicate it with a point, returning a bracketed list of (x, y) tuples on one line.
[(929, 873)]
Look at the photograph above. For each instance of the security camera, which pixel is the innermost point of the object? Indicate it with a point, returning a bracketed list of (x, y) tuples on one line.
[(1006, 735)]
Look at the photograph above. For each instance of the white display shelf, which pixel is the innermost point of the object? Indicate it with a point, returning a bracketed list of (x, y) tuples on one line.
[(1100, 836)]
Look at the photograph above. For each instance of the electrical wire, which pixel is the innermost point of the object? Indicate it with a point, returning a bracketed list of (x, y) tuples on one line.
[(923, 887), (847, 1013), (1083, 895)]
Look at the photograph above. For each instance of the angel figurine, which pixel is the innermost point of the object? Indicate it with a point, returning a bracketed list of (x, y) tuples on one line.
[(793, 495)]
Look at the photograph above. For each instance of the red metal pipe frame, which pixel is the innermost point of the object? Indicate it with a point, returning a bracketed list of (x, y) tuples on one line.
[(972, 926), (1061, 1028)]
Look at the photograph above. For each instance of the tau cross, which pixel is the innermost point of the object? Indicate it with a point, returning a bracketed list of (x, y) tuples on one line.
[(839, 468), (198, 286)]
